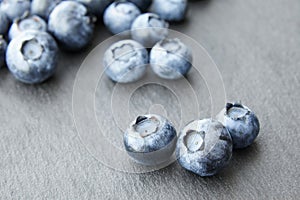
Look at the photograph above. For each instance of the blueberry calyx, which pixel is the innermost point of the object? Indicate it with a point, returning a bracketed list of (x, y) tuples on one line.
[(171, 45), (236, 111), (124, 52), (194, 141), (146, 126), (32, 50)]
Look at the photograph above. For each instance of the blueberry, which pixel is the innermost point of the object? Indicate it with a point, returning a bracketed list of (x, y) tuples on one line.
[(4, 23), (204, 147), (242, 124), (71, 25), (148, 29), (15, 8), (3, 46), (125, 61), (150, 140), (170, 59), (32, 56), (118, 17), (32, 22), (95, 7), (43, 8), (170, 10), (142, 4)]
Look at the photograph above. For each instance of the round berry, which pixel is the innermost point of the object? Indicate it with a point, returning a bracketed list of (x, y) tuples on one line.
[(170, 10), (148, 29), (125, 61), (242, 124), (150, 139), (118, 17), (71, 25), (204, 147), (170, 59), (32, 56)]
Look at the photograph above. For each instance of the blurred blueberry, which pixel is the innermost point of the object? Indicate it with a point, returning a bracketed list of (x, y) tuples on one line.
[(242, 124), (43, 8), (118, 17), (95, 7), (143, 5), (170, 10), (170, 59), (148, 29), (125, 61), (71, 25), (32, 56), (150, 140), (4, 23), (15, 8), (3, 46), (32, 22), (204, 147)]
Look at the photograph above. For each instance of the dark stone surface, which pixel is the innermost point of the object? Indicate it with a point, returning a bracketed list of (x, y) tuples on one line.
[(256, 46)]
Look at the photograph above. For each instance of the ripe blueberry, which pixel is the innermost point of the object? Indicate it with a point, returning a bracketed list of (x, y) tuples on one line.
[(170, 59), (242, 124), (32, 56), (71, 25), (204, 147), (148, 29), (125, 61), (150, 140), (170, 10), (118, 17)]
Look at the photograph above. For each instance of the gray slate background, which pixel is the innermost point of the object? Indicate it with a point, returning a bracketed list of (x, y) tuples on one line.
[(256, 45)]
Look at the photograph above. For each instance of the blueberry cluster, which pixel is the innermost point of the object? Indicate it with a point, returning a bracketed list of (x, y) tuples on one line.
[(169, 58), (31, 31), (203, 146)]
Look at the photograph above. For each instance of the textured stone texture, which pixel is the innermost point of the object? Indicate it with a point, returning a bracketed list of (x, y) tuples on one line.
[(256, 46)]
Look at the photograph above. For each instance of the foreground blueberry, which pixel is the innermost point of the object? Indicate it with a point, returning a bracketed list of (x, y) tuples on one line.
[(32, 56), (3, 46), (95, 7), (118, 17), (32, 22), (170, 10), (71, 25), (43, 8), (15, 8), (4, 23), (142, 4), (148, 29), (204, 147), (125, 61), (150, 140), (242, 124), (170, 59)]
